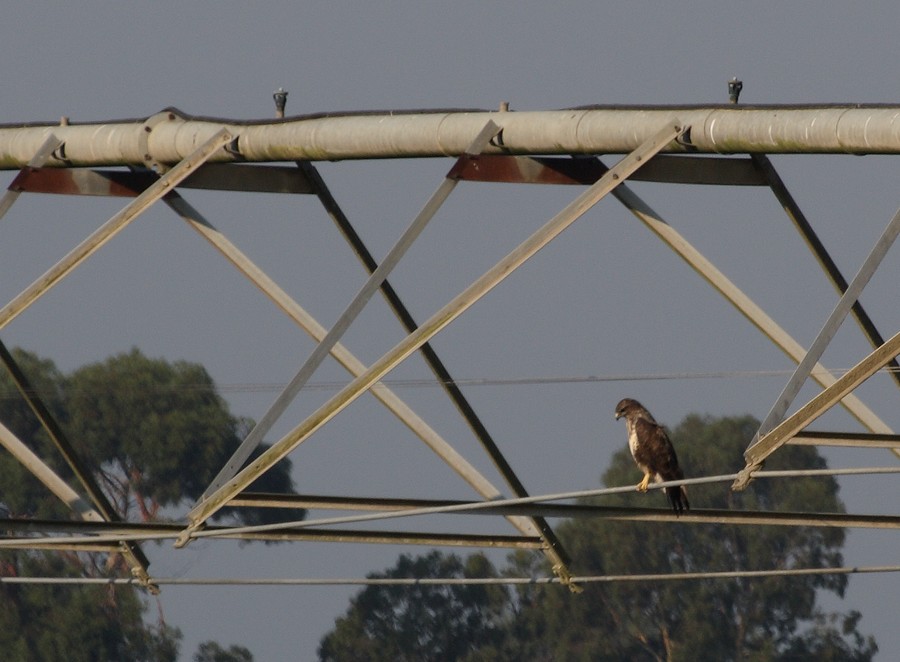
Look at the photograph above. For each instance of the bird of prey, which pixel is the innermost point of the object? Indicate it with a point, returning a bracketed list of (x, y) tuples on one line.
[(652, 451)]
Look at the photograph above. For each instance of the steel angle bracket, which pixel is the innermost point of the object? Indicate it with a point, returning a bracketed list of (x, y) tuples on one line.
[(584, 170), (45, 151), (128, 184), (757, 453)]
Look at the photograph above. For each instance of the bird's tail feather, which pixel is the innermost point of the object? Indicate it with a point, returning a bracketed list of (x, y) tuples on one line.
[(678, 498)]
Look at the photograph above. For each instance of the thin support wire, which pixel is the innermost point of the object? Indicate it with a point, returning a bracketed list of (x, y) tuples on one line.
[(465, 507), (456, 581), (486, 505)]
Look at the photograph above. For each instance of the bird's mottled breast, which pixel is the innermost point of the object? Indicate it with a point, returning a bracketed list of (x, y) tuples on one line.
[(632, 437)]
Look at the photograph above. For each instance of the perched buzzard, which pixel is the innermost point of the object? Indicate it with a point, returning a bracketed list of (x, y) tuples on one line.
[(652, 451)]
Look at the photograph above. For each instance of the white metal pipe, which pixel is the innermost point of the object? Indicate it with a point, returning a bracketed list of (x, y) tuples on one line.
[(38, 160), (169, 136)]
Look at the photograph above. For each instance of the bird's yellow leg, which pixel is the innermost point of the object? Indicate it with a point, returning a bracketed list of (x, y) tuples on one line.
[(642, 486)]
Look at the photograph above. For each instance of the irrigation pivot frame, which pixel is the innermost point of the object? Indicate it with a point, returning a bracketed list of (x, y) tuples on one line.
[(155, 159)]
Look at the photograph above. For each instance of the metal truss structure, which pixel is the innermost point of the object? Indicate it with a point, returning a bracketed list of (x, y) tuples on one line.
[(152, 160)]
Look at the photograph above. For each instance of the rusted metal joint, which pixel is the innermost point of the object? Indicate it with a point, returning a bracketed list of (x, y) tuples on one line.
[(745, 476)]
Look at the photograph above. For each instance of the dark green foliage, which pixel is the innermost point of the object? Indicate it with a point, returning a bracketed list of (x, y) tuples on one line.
[(418, 622), (210, 651), (738, 619), (715, 619), (158, 432), (63, 623)]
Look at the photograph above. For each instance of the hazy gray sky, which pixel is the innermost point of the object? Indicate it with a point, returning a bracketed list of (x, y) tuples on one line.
[(606, 298)]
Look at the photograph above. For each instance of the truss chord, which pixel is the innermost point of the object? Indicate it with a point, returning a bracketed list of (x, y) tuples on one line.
[(127, 532), (455, 581), (322, 349), (107, 543), (523, 507), (776, 129), (437, 322), (500, 504), (112, 227)]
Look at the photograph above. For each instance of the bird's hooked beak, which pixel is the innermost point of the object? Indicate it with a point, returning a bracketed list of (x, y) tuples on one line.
[(618, 415)]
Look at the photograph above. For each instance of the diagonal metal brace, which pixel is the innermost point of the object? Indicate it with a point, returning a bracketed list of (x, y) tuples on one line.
[(137, 560), (830, 328), (112, 227), (768, 444)]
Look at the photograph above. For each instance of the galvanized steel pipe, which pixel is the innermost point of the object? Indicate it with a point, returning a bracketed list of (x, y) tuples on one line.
[(169, 136)]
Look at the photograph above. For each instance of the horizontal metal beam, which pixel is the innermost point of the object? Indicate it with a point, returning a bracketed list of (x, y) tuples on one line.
[(538, 509), (169, 136), (666, 169), (95, 535), (455, 581), (99, 533), (128, 184), (854, 439)]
